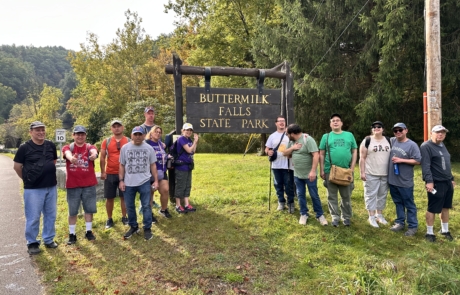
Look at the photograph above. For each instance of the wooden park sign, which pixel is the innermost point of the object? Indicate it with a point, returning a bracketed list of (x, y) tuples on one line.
[(233, 110)]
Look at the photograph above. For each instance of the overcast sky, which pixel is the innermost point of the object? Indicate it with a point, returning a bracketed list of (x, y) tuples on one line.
[(66, 23)]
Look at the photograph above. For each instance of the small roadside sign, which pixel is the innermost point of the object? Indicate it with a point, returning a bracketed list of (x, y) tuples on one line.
[(60, 135)]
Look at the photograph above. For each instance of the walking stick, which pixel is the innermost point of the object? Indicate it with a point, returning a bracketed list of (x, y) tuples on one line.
[(270, 187)]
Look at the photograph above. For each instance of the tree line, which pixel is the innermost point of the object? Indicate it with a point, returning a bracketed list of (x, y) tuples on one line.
[(362, 59)]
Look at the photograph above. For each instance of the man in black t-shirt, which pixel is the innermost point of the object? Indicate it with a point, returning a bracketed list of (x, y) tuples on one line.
[(35, 164)]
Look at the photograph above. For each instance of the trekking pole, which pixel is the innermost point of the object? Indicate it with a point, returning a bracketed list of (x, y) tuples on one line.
[(270, 186)]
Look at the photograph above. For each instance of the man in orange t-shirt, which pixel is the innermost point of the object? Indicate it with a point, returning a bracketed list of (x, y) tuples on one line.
[(110, 155)]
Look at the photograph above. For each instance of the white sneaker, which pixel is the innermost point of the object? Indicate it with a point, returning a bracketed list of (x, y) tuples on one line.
[(373, 222), (322, 220), (303, 219), (280, 206), (381, 219)]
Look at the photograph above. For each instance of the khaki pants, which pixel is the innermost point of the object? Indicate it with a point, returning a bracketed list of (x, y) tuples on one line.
[(333, 191)]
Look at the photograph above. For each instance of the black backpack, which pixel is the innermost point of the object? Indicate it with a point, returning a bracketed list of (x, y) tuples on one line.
[(368, 141)]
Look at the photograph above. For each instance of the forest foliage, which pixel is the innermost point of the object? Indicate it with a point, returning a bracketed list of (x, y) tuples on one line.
[(362, 59)]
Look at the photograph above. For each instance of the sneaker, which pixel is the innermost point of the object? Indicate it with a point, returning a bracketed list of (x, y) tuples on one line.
[(72, 239), (447, 236), (291, 208), (373, 221), (148, 234), (124, 220), (397, 227), (322, 220), (33, 248), (89, 235), (154, 220), (189, 208), (381, 219), (130, 232), (165, 213), (410, 232), (51, 245), (109, 223), (281, 206), (155, 205), (335, 223), (180, 209), (430, 238), (303, 219), (346, 222)]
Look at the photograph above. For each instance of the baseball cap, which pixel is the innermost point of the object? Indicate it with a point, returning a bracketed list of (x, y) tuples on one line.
[(149, 108), (36, 124), (138, 129), (79, 129), (116, 122), (336, 115), (438, 128), (400, 125), (187, 126), (377, 123)]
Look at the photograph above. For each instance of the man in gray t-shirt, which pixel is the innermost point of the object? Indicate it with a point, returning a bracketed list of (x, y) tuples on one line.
[(404, 155), (137, 165)]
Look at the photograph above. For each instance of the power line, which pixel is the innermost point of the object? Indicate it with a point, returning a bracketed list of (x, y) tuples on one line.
[(338, 38)]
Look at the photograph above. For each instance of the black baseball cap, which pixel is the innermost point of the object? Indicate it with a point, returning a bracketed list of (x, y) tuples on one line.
[(378, 123), (336, 115)]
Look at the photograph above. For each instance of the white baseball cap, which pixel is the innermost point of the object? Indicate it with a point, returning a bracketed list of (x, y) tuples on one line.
[(187, 126), (438, 128)]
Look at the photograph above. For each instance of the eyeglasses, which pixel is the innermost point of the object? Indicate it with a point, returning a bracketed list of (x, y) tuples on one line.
[(158, 132), (376, 127), (118, 145), (138, 134), (398, 130), (281, 121)]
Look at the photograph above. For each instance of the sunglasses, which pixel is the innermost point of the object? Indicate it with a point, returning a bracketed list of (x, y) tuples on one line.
[(398, 130), (118, 145), (376, 127)]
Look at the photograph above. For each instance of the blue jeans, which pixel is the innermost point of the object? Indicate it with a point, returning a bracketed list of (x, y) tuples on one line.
[(403, 197), (130, 200), (36, 202), (284, 182), (313, 191)]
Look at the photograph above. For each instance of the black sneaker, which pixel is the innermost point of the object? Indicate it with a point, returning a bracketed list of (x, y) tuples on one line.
[(130, 232), (447, 236), (33, 248), (154, 220), (165, 213), (346, 222), (72, 239), (51, 245), (189, 208), (89, 235), (124, 220), (109, 223), (180, 209), (430, 238), (148, 234)]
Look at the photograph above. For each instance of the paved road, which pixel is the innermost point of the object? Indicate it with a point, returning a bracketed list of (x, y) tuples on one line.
[(17, 272)]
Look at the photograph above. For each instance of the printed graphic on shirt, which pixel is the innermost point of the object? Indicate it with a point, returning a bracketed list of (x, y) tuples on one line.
[(137, 161), (282, 147), (339, 142), (380, 148)]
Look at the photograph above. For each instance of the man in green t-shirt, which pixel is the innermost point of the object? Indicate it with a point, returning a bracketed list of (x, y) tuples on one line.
[(303, 150), (343, 153)]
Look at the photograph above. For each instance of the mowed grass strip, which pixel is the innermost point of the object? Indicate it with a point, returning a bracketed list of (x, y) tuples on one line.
[(234, 245)]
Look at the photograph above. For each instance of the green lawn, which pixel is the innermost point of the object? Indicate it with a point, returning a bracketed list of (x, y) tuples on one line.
[(234, 245)]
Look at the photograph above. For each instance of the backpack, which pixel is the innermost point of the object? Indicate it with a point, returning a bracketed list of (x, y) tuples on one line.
[(175, 155), (108, 142), (368, 141)]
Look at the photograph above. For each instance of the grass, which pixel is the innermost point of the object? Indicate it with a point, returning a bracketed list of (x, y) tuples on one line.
[(234, 245)]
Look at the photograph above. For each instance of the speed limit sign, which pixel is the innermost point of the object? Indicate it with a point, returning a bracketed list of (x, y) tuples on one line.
[(60, 135)]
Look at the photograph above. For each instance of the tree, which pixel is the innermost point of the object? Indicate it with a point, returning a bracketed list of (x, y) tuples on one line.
[(7, 98)]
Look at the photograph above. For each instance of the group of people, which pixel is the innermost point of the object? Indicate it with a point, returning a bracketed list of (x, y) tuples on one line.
[(385, 164), (128, 166)]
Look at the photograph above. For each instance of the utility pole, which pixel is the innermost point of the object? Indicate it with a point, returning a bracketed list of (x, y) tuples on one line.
[(433, 62)]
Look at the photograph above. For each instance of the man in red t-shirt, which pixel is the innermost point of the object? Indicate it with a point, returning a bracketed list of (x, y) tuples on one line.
[(81, 182), (110, 154)]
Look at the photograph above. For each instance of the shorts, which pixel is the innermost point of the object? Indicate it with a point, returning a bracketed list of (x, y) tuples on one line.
[(442, 198), (183, 184), (82, 195), (111, 187), (165, 177)]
